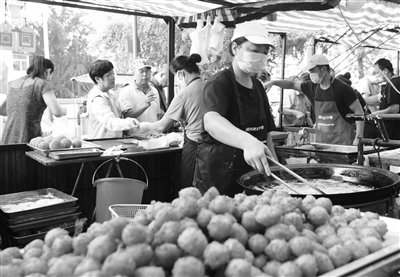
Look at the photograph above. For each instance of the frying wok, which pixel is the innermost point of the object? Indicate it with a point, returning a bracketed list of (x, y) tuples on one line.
[(383, 183)]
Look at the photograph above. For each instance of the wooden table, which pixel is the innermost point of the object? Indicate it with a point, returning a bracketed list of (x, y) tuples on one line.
[(387, 158)]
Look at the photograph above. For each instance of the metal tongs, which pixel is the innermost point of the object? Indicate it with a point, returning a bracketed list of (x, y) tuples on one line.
[(293, 174)]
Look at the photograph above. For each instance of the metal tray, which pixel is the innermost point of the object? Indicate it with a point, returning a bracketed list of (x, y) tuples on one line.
[(20, 197), (75, 153), (85, 145), (34, 217)]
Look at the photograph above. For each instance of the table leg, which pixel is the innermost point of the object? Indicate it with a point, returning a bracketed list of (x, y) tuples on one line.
[(78, 178)]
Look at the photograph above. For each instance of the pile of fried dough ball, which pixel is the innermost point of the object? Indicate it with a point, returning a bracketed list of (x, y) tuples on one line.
[(272, 234)]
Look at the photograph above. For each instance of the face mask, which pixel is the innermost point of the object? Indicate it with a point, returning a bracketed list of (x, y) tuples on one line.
[(374, 79), (252, 62), (315, 78)]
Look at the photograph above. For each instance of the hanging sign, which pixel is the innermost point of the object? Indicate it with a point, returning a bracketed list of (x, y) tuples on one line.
[(6, 36), (26, 40)]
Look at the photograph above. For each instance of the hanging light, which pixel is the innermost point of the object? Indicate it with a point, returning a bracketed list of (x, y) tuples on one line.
[(354, 5)]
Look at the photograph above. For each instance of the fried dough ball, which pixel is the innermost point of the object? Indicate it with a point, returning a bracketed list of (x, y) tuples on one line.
[(289, 269), (62, 245), (203, 203), (268, 215), (222, 204), (166, 255), (188, 207), (5, 258), (338, 221), (279, 250), (169, 232), (220, 227), (10, 271), (372, 243), (94, 273), (308, 226), (249, 222), (249, 256), (324, 231), (33, 252), (80, 243), (272, 267), (188, 266), (309, 234), (370, 215), (346, 233), (193, 241), (142, 253), (300, 246), (240, 208), (318, 247), (307, 264), (64, 265), (357, 248), (339, 255), (308, 203), (149, 271), (351, 214), (120, 262), (257, 243), (324, 262), (190, 191), (294, 219), (318, 216), (337, 210), (98, 229), (187, 223), (53, 234), (325, 203), (116, 225), (238, 268), (134, 233), (235, 248), (379, 226), (358, 224), (100, 247), (368, 232), (211, 193), (34, 265), (260, 261), (331, 241), (86, 265), (286, 204), (239, 233), (216, 255), (203, 218), (279, 231), (37, 243)]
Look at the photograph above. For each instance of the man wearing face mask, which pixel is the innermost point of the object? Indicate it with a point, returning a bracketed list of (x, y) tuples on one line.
[(237, 118), (369, 88), (388, 101), (332, 101)]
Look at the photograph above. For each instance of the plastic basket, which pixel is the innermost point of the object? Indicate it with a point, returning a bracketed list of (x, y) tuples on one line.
[(126, 210)]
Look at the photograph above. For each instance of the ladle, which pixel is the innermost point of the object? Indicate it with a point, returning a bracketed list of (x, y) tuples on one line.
[(295, 175)]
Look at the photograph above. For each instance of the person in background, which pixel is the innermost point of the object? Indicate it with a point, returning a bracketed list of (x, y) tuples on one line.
[(26, 101), (237, 120), (160, 81), (205, 75), (332, 100), (264, 76), (296, 109), (369, 87), (388, 101), (105, 114), (82, 110), (140, 99), (187, 106)]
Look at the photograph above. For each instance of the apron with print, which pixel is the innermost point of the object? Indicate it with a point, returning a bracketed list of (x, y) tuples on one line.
[(330, 125), (220, 165)]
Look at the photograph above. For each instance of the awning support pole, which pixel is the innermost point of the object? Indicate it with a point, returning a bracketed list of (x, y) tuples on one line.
[(284, 38), (171, 55)]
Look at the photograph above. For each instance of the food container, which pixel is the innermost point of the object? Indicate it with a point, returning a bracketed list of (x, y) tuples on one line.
[(21, 197), (75, 153), (85, 145)]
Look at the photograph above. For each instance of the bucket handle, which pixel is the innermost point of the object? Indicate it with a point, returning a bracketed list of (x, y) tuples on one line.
[(117, 160)]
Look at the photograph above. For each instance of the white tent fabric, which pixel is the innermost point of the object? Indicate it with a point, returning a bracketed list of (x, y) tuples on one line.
[(374, 15)]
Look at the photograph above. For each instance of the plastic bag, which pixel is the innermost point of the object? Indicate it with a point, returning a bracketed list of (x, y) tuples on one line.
[(60, 127)]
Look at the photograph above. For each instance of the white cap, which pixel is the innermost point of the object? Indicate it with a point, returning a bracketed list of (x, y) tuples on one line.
[(253, 31), (317, 59), (141, 63)]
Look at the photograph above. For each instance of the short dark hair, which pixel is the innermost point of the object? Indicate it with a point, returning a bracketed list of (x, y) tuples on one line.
[(187, 63), (239, 41), (99, 68), (384, 63)]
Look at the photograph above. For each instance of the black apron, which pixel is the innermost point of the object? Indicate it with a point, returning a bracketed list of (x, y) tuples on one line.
[(188, 161), (220, 165)]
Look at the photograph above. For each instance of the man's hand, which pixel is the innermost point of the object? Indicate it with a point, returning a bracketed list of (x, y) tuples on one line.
[(355, 141), (134, 123), (145, 127), (255, 153), (150, 97)]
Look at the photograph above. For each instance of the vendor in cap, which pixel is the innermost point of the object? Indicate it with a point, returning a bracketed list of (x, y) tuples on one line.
[(332, 101), (140, 98), (237, 118)]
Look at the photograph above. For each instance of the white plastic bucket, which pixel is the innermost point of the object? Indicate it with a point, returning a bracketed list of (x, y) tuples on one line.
[(117, 190)]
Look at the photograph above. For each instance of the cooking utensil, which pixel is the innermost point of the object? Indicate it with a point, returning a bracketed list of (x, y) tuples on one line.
[(283, 182), (295, 175)]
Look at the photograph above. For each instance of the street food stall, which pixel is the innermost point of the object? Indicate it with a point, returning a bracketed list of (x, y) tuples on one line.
[(184, 233)]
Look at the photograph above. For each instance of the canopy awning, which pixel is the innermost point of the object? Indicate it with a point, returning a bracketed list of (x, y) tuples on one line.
[(120, 79)]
